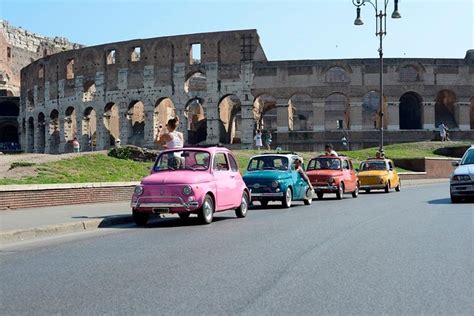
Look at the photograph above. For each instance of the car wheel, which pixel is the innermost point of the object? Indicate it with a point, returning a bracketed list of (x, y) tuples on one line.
[(241, 211), (340, 191), (140, 218), (399, 186), (455, 199), (320, 195), (308, 197), (206, 213), (288, 198), (264, 203), (356, 191), (184, 215), (367, 190), (387, 187)]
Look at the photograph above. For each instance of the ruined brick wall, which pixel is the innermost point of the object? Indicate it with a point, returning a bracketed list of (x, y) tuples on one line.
[(19, 47)]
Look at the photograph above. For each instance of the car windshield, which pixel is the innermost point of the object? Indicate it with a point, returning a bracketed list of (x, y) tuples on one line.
[(268, 163), (324, 164), (182, 160), (468, 158), (373, 165)]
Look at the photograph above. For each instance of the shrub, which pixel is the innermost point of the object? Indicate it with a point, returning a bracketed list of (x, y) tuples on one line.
[(17, 164), (131, 152)]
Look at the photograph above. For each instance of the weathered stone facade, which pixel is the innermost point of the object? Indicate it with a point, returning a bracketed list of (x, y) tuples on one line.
[(223, 88)]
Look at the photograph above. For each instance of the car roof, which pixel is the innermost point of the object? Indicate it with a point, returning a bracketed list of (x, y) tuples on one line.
[(210, 149), (377, 159), (287, 155), (331, 156)]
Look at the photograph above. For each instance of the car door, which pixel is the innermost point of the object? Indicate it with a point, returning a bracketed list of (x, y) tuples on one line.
[(298, 182), (393, 176), (223, 179), (348, 175), (236, 186)]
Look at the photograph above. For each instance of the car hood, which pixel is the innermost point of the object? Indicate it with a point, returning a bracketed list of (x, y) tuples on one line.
[(373, 173), (464, 169), (178, 177), (325, 173), (266, 175)]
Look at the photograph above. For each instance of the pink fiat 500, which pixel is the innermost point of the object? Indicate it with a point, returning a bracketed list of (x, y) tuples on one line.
[(191, 180)]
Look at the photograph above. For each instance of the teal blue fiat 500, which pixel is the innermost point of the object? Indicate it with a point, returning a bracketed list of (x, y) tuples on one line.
[(272, 177)]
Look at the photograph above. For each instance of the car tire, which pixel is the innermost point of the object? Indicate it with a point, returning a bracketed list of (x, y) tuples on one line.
[(241, 211), (399, 186), (206, 213), (308, 197), (355, 193), (263, 203), (387, 188), (455, 199), (286, 202), (367, 190), (140, 218), (340, 191), (320, 195), (184, 215)]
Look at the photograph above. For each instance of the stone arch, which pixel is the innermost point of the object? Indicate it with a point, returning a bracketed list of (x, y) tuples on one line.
[(30, 146), (411, 111), (409, 73), (445, 108), (300, 112), (196, 82), (230, 117), (89, 129), (136, 118), (70, 128), (53, 132), (196, 121), (89, 91), (164, 110), (337, 111), (40, 147), (111, 124), (9, 136), (265, 112), (337, 74)]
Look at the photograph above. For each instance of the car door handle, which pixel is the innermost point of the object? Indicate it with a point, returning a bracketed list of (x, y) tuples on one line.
[(232, 177)]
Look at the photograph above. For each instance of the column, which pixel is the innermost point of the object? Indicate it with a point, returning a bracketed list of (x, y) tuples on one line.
[(318, 115), (101, 134), (47, 136), (212, 116), (393, 116), (37, 148), (62, 136), (462, 115), (124, 123), (247, 125), (282, 116), (429, 115), (355, 118), (148, 137)]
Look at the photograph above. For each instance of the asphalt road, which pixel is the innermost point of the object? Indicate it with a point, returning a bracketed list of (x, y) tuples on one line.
[(399, 253)]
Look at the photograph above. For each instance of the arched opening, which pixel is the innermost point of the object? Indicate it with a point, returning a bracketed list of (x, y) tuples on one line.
[(195, 83), (230, 118), (265, 112), (89, 91), (197, 121), (31, 135), (336, 112), (337, 74), (9, 139), (54, 138), (164, 111), (371, 110), (70, 128), (89, 129), (9, 109), (300, 113), (41, 134), (136, 118), (410, 111), (111, 124), (445, 108)]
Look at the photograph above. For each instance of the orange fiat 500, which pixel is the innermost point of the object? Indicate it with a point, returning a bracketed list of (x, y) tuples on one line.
[(330, 174)]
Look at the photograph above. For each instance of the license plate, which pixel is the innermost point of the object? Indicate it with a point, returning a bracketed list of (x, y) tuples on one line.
[(161, 210)]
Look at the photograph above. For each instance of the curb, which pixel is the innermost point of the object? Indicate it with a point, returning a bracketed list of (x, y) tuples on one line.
[(60, 229)]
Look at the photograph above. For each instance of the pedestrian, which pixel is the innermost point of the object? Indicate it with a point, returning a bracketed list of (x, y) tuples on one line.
[(329, 151), (302, 173), (172, 139), (267, 140), (118, 143), (258, 139), (75, 145), (443, 131)]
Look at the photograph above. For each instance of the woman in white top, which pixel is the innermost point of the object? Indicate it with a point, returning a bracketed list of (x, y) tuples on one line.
[(172, 139), (258, 139)]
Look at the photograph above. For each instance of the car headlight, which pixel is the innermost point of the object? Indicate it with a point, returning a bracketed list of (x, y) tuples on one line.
[(275, 184), (381, 180), (461, 177), (138, 190), (187, 190), (331, 180)]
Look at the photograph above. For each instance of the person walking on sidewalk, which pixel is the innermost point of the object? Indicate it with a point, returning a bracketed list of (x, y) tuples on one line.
[(258, 139), (75, 145)]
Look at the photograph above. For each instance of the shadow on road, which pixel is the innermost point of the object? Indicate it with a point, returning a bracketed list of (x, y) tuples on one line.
[(448, 201)]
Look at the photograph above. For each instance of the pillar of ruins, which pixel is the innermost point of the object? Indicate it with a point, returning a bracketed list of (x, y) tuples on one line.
[(429, 115)]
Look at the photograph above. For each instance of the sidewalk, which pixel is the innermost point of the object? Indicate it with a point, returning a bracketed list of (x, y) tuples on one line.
[(30, 223)]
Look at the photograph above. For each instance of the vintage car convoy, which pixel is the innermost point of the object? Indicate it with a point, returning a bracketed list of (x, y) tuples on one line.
[(333, 174), (378, 173), (462, 179), (272, 177), (191, 180)]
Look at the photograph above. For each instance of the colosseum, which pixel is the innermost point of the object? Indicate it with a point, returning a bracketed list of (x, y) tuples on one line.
[(223, 88)]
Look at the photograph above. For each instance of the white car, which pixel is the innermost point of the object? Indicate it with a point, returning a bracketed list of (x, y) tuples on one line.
[(462, 179)]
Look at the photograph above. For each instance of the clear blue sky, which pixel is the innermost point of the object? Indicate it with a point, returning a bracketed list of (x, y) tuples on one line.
[(317, 29)]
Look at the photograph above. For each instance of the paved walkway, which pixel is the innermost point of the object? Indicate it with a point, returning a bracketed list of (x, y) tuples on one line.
[(22, 224)]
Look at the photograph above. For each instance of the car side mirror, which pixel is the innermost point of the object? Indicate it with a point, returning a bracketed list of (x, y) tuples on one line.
[(455, 163), (356, 169)]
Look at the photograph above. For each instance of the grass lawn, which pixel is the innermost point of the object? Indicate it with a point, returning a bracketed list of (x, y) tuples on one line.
[(101, 168)]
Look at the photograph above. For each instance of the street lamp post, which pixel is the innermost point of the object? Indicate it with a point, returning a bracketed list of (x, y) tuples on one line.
[(380, 31)]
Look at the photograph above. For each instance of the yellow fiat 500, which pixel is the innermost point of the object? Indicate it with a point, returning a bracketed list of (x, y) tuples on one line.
[(378, 174)]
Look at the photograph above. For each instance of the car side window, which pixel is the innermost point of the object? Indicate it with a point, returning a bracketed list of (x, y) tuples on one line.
[(345, 164), (220, 162), (233, 164), (390, 166)]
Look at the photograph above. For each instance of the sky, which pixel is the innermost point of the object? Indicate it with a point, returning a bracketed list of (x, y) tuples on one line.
[(289, 30)]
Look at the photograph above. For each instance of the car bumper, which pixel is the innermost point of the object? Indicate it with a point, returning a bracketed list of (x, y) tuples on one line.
[(264, 195), (325, 188), (163, 204), (462, 189), (372, 186)]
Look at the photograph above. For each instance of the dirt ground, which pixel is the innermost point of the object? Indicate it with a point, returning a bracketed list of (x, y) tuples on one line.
[(6, 160)]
